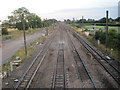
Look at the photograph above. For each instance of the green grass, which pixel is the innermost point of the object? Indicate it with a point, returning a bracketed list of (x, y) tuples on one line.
[(115, 53), (22, 55), (102, 27), (91, 26), (19, 33), (87, 26), (21, 52)]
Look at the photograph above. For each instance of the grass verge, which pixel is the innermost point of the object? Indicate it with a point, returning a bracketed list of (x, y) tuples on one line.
[(114, 53), (19, 33), (21, 53)]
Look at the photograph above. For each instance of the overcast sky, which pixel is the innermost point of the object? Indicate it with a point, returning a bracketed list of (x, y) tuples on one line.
[(61, 9)]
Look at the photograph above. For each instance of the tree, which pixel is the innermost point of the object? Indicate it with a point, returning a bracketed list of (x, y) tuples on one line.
[(100, 35), (102, 20), (118, 41), (113, 38), (90, 21), (67, 21), (34, 21), (4, 31), (5, 23), (117, 19), (17, 14), (31, 20), (48, 22), (15, 18)]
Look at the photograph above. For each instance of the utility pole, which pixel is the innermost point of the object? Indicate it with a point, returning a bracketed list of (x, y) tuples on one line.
[(46, 29), (106, 42), (82, 19), (82, 24), (53, 24), (73, 20), (23, 23), (118, 16)]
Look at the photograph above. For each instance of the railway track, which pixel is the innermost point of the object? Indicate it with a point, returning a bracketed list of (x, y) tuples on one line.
[(59, 80), (82, 70), (111, 69), (26, 79), (59, 76), (100, 54)]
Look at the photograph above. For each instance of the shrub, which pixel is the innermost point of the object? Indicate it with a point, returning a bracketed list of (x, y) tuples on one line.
[(4, 31), (113, 38), (20, 26)]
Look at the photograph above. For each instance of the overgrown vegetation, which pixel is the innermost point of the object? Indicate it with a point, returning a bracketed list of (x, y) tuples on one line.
[(16, 34), (30, 49), (32, 23), (31, 20), (100, 34), (113, 38), (100, 22), (22, 55), (4, 31)]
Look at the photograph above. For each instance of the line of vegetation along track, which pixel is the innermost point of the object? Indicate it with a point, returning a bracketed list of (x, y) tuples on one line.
[(21, 53), (94, 36), (31, 22)]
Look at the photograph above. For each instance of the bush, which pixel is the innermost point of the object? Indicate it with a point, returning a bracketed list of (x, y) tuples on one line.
[(4, 31), (19, 26), (113, 38), (101, 36)]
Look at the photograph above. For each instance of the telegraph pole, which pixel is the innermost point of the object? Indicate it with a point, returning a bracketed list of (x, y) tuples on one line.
[(106, 42), (82, 24), (23, 22), (53, 24), (82, 19)]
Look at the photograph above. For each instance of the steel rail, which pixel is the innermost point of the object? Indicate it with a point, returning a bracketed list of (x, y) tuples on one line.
[(89, 48), (86, 69), (34, 61), (59, 72)]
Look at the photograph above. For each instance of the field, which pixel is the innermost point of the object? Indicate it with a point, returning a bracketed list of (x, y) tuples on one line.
[(21, 52), (14, 34), (31, 48), (18, 33), (102, 27), (115, 53), (88, 26)]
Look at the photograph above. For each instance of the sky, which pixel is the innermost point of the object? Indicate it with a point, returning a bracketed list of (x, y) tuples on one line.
[(62, 9)]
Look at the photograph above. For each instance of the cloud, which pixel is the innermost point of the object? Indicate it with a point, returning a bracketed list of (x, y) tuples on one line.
[(95, 13), (119, 9), (50, 7)]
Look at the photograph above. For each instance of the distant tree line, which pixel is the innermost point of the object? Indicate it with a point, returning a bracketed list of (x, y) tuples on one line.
[(101, 22), (31, 20)]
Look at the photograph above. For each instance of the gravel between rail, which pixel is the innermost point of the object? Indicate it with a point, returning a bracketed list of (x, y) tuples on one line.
[(68, 64)]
